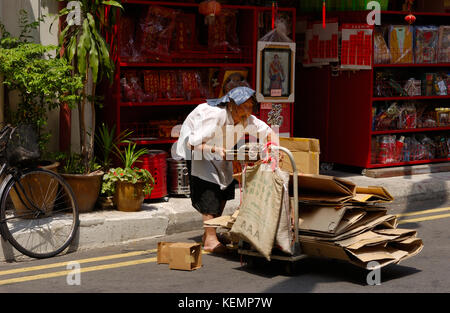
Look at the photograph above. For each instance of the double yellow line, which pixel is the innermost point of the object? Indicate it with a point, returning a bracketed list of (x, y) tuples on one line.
[(425, 218), (81, 270)]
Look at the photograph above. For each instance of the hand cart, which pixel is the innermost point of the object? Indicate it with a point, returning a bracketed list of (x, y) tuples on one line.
[(245, 248)]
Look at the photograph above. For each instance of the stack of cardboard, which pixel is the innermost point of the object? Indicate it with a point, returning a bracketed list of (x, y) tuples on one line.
[(342, 221)]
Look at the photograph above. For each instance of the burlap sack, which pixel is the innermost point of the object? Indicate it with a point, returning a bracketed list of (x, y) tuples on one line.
[(285, 233), (259, 213)]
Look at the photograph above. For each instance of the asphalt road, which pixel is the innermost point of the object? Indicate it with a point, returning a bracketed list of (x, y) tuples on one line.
[(132, 268)]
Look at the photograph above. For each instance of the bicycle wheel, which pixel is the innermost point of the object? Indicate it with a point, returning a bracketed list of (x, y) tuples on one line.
[(39, 214)]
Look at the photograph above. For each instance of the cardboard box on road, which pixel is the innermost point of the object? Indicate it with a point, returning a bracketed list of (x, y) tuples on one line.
[(185, 256), (163, 253)]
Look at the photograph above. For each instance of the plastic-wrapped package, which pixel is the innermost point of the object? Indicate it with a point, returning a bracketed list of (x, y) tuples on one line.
[(429, 149), (151, 85), (169, 86), (127, 33), (408, 117), (222, 34), (401, 44), (413, 87), (154, 32), (444, 44), (191, 82), (131, 89), (381, 51), (386, 150), (442, 148), (426, 44)]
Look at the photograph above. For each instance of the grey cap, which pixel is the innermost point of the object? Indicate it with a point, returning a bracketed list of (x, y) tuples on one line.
[(238, 94)]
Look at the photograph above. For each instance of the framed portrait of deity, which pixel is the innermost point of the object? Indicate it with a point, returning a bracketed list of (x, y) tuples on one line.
[(275, 72)]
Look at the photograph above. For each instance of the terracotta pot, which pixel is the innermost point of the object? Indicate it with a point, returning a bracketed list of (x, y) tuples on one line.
[(128, 196), (36, 183), (86, 189)]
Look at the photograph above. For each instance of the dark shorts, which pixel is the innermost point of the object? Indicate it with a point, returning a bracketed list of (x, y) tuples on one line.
[(207, 197)]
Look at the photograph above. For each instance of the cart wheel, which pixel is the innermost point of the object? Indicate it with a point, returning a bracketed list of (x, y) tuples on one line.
[(326, 166), (290, 268), (166, 199)]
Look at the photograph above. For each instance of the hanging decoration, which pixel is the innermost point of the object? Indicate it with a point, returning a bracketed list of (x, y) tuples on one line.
[(274, 13), (410, 18), (210, 9)]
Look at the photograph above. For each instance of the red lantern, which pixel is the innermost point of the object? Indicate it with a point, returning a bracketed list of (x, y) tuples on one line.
[(209, 7), (410, 19)]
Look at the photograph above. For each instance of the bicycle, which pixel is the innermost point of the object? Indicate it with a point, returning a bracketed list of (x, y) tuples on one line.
[(38, 211)]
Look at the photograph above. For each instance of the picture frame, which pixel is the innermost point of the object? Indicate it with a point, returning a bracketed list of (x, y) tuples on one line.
[(275, 72)]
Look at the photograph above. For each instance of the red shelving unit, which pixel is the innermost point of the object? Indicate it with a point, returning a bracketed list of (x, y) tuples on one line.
[(338, 109), (137, 114)]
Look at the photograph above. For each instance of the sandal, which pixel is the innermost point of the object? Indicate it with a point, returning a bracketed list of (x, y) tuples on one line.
[(219, 249)]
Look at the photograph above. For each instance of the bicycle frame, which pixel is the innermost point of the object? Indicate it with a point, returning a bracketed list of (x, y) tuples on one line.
[(14, 174)]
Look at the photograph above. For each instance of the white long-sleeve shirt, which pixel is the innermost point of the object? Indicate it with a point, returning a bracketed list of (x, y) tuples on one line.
[(206, 124)]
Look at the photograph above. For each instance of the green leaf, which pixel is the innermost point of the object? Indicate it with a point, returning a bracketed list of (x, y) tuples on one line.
[(113, 3), (93, 60), (84, 46)]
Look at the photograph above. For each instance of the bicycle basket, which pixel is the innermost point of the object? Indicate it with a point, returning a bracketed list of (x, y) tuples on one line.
[(22, 147)]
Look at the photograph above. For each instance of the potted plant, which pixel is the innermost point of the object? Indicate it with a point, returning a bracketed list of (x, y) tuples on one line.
[(128, 184), (84, 46), (106, 142), (42, 81), (86, 49), (86, 187)]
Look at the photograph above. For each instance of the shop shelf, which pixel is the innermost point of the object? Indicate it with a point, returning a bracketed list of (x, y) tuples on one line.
[(155, 141), (162, 103), (413, 65), (409, 163), (411, 130), (144, 64), (410, 98)]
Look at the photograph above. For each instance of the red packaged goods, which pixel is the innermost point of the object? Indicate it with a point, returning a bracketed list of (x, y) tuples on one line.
[(222, 34), (151, 84), (444, 44), (154, 32), (386, 150), (126, 35), (185, 32), (168, 84), (426, 44), (191, 84)]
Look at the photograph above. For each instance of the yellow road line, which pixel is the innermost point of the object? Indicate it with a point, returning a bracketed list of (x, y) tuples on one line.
[(81, 270), (89, 260), (427, 218), (423, 212)]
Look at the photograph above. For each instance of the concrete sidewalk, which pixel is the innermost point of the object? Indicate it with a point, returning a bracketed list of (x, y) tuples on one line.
[(102, 228), (109, 227)]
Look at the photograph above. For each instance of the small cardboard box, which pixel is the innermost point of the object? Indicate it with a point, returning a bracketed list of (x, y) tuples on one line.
[(306, 152), (163, 254), (185, 256)]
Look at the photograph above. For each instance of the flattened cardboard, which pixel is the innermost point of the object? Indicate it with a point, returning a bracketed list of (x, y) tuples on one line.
[(324, 189), (374, 194), (163, 254), (185, 256), (323, 219), (332, 221), (306, 153), (225, 221)]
